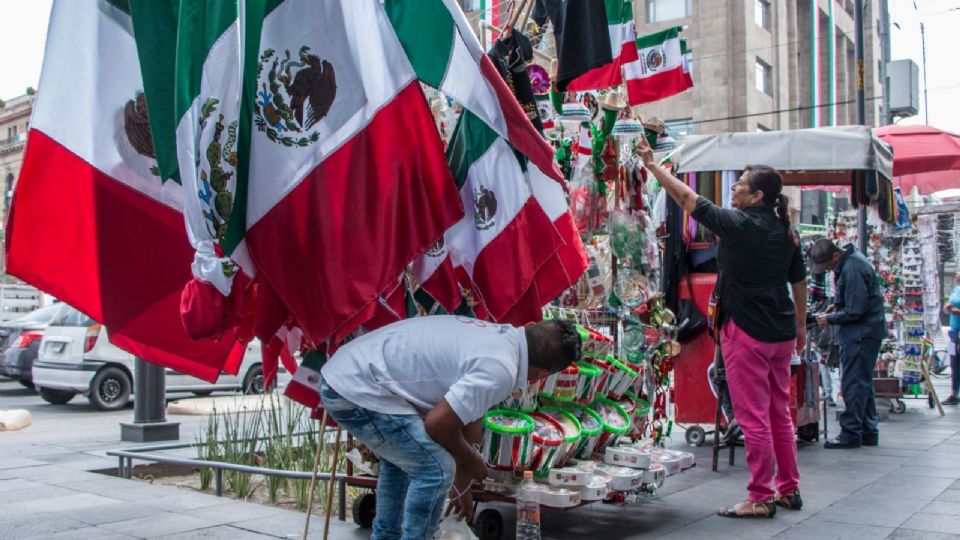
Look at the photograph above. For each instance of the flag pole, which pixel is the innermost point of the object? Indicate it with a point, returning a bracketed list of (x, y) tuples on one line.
[(330, 483), (313, 477)]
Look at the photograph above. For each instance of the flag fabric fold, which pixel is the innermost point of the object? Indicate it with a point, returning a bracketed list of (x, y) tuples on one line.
[(594, 39), (446, 54)]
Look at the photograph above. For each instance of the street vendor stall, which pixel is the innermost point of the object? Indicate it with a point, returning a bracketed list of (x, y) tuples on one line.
[(839, 156)]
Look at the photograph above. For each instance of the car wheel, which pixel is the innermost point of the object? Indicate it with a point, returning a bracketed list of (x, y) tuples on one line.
[(253, 382), (56, 397), (26, 384), (110, 389)]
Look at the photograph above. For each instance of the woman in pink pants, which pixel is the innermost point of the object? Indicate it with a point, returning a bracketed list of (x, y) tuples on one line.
[(760, 326)]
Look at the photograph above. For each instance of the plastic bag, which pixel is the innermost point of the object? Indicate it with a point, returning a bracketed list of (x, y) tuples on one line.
[(454, 528)]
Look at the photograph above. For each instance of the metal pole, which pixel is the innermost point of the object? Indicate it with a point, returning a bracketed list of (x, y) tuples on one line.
[(886, 117), (926, 100), (814, 63), (149, 406), (861, 112)]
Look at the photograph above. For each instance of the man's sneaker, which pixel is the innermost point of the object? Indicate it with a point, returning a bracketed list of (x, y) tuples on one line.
[(952, 400), (790, 501), (870, 440), (841, 444)]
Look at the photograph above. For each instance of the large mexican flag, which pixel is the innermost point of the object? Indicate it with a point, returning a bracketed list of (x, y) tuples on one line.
[(92, 220), (345, 181)]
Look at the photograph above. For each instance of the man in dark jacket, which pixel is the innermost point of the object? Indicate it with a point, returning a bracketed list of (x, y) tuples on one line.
[(858, 318)]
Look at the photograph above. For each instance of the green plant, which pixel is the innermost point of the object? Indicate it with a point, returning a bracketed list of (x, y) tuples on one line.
[(277, 434), (208, 447)]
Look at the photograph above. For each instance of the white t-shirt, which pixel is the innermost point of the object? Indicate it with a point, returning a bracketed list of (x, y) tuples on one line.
[(407, 367)]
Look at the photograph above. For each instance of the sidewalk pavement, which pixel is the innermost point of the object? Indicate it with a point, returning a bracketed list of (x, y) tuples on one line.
[(907, 488)]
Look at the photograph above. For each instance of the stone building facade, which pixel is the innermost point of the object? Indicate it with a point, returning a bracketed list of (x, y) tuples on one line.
[(752, 68), (14, 123)]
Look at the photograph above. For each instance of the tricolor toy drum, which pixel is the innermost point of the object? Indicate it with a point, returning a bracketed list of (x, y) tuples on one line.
[(593, 343), (587, 380), (548, 384), (641, 415), (507, 440), (571, 433), (591, 428), (566, 386), (604, 366), (614, 420), (523, 400), (621, 378), (548, 439)]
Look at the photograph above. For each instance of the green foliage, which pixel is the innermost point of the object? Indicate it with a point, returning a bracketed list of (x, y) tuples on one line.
[(276, 434)]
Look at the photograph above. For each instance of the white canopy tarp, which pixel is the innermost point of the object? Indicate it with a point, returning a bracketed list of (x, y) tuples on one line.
[(824, 156)]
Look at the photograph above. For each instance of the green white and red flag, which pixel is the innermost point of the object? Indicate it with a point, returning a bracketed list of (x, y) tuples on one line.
[(345, 181), (661, 69), (623, 47), (93, 220)]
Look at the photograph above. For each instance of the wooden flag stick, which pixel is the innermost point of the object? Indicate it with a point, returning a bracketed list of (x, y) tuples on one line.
[(313, 478), (330, 484), (526, 16), (536, 52)]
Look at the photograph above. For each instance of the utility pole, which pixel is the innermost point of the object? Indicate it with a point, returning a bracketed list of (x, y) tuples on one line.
[(923, 46), (886, 117), (861, 111)]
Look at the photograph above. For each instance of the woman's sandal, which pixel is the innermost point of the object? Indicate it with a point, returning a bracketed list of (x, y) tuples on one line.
[(790, 501), (750, 510)]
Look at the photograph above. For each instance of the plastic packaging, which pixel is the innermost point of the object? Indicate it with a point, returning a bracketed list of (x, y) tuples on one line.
[(528, 509)]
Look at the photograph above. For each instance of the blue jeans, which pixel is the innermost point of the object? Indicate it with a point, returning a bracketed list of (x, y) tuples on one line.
[(415, 472), (955, 364), (859, 418)]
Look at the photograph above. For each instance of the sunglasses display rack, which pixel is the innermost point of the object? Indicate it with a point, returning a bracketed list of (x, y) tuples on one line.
[(912, 330)]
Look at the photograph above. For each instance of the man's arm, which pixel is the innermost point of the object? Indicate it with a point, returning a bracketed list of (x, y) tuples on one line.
[(445, 427), (855, 298)]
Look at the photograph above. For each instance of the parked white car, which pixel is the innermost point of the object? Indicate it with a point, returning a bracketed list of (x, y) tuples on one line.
[(76, 357)]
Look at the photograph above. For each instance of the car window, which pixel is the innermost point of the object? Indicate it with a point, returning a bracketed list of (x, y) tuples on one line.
[(41, 316), (71, 317)]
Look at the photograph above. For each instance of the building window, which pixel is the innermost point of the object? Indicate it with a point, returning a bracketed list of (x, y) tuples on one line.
[(11, 133), (8, 193), (681, 127), (761, 13), (764, 77), (667, 10)]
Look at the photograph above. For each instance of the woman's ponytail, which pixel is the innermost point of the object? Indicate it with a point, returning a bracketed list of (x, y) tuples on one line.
[(782, 207)]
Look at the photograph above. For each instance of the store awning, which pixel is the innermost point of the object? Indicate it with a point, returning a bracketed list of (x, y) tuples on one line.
[(820, 156)]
